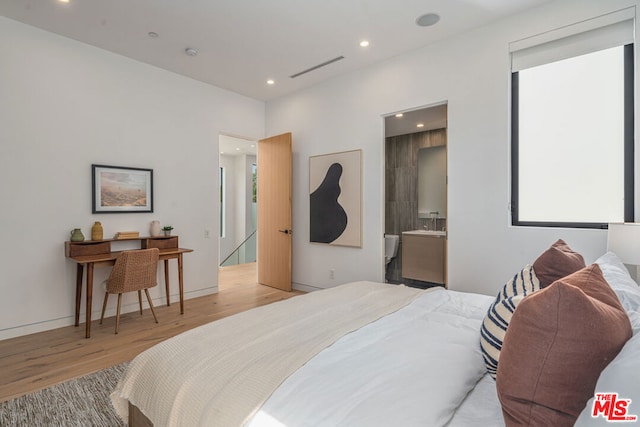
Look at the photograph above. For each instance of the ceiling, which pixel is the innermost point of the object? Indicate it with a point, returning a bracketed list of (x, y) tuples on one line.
[(414, 121), (243, 43), (233, 146)]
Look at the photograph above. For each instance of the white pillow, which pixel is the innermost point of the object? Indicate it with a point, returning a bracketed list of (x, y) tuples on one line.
[(621, 376), (496, 321), (628, 291)]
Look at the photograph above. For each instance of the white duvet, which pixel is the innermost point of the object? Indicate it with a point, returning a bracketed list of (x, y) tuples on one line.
[(361, 354), (413, 367)]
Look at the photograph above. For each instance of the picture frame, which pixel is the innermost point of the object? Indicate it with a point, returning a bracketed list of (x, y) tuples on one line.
[(118, 189), (335, 199)]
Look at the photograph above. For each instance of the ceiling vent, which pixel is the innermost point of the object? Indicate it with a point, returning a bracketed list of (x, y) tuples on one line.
[(315, 67)]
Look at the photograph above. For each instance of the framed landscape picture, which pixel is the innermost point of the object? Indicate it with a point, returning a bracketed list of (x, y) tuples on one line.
[(335, 193), (119, 189)]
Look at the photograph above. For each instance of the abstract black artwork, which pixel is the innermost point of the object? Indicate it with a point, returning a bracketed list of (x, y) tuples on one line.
[(328, 218), (335, 199)]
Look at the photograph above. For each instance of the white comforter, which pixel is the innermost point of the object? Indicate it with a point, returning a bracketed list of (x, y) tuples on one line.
[(413, 367), (384, 356)]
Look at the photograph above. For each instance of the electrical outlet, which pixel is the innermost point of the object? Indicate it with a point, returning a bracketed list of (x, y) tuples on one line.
[(207, 233), (332, 274)]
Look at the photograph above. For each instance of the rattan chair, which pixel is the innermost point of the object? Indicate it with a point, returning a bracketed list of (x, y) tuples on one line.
[(133, 271)]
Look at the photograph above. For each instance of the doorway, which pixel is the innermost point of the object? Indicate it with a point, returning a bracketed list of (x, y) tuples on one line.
[(238, 213), (255, 194), (415, 190)]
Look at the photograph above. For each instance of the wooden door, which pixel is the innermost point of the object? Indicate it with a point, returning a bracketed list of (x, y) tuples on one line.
[(274, 211)]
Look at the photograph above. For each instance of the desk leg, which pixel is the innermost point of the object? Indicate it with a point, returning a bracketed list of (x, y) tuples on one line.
[(166, 280), (89, 299), (180, 284), (79, 271)]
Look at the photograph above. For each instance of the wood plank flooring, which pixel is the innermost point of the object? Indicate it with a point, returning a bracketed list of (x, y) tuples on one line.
[(36, 361)]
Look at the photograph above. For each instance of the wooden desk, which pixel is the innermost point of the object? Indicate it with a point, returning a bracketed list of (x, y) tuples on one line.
[(98, 254)]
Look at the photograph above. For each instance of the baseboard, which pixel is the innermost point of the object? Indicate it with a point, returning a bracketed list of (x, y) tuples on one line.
[(304, 288), (157, 302), (46, 325), (33, 328)]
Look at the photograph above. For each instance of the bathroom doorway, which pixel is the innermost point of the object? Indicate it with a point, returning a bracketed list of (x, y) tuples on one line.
[(416, 193)]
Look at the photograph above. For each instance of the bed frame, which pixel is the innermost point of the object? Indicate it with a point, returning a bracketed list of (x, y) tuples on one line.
[(137, 418)]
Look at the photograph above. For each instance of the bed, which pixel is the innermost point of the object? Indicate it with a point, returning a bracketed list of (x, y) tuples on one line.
[(360, 354)]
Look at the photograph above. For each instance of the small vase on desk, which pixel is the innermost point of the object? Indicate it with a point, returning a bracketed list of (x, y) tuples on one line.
[(155, 228), (96, 231), (76, 235)]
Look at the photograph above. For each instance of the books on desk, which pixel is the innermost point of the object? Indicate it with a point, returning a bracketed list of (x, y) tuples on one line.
[(127, 234)]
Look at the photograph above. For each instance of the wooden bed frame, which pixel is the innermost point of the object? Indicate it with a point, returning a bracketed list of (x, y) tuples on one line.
[(137, 418)]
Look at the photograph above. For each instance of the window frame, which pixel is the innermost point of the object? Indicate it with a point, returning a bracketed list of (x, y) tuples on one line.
[(223, 196), (629, 164)]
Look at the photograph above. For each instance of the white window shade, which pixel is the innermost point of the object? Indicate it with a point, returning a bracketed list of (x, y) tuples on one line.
[(616, 29), (572, 124), (571, 140)]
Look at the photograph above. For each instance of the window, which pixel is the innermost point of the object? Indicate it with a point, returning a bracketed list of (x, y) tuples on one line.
[(572, 130), (254, 183), (222, 200)]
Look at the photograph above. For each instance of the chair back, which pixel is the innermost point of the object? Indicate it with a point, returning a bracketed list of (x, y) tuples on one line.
[(133, 271)]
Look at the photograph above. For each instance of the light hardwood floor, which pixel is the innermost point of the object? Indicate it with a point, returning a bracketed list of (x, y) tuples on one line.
[(36, 361)]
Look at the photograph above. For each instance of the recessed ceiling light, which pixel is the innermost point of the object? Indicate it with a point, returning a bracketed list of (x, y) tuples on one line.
[(237, 149), (153, 34), (364, 43), (63, 1), (399, 115), (271, 82), (420, 125), (428, 19), (253, 145), (191, 51)]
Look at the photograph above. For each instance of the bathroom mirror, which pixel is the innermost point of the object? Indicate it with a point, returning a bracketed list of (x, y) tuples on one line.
[(432, 181)]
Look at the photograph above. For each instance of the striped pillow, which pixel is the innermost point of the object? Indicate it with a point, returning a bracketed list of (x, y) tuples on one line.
[(500, 312)]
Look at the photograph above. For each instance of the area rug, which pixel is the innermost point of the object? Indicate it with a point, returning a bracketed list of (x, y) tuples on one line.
[(79, 402)]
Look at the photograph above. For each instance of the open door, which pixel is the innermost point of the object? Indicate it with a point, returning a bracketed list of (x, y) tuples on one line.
[(274, 212)]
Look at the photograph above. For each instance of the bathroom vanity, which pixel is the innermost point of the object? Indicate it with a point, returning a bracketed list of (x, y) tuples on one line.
[(424, 255)]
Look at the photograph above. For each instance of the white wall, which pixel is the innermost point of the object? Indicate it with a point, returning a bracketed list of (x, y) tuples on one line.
[(228, 240), (65, 105), (470, 72), (244, 193)]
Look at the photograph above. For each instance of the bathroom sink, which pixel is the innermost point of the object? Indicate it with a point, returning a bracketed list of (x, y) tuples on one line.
[(425, 233)]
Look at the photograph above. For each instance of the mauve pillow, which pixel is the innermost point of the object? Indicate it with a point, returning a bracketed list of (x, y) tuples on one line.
[(558, 341), (557, 262)]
